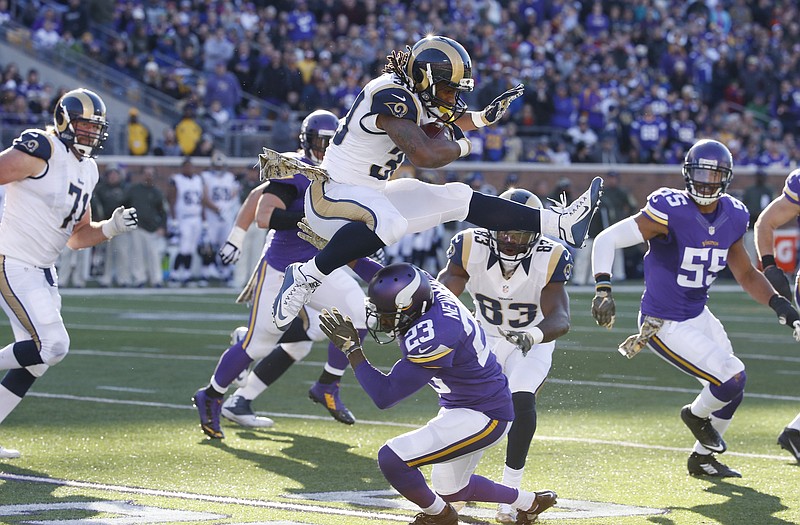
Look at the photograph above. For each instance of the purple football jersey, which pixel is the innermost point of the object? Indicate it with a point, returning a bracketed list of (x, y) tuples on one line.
[(286, 247), (680, 267), (448, 337)]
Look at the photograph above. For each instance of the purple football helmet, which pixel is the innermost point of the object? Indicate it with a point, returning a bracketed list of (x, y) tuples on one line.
[(512, 246), (397, 296), (708, 171), (316, 133)]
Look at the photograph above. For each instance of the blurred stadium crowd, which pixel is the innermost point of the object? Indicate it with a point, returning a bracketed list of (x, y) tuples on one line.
[(606, 81)]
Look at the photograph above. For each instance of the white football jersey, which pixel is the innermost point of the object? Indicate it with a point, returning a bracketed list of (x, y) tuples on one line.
[(188, 196), (510, 304), (361, 153), (41, 211), (223, 190)]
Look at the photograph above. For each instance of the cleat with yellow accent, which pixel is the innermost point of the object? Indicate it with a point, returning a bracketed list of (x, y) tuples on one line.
[(328, 396), (209, 409)]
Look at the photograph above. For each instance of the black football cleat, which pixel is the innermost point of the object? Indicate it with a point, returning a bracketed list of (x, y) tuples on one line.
[(703, 431), (544, 500), (707, 465), (789, 440), (448, 516)]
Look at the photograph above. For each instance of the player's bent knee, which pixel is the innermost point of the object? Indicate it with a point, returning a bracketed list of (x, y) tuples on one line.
[(54, 348), (390, 232), (394, 469), (297, 351), (730, 389), (732, 367)]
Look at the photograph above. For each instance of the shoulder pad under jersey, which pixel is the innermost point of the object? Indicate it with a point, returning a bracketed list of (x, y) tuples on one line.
[(395, 101), (34, 142)]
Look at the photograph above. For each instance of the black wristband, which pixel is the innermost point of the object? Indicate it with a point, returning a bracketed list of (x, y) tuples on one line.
[(602, 278), (767, 261), (602, 282), (285, 219)]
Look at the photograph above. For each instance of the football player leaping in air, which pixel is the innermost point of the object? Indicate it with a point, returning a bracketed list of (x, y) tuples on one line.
[(693, 234), (278, 205), (783, 209), (49, 177), (353, 203), (516, 280)]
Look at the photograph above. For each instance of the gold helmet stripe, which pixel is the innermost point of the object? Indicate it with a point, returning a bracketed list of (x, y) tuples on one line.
[(453, 56)]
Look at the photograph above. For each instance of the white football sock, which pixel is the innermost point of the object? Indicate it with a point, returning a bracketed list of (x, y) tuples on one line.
[(511, 477), (548, 223), (309, 268), (8, 402), (795, 424), (524, 500), (706, 403), (437, 506), (8, 360), (252, 389)]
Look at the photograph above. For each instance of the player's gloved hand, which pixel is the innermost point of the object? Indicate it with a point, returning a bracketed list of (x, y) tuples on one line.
[(522, 340), (340, 330), (778, 280), (308, 235), (232, 249), (462, 141), (604, 310), (636, 342), (497, 108), (123, 220), (786, 314)]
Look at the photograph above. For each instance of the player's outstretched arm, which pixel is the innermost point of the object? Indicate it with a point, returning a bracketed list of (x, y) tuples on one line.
[(385, 390), (779, 212), (759, 288), (627, 232), (554, 303), (231, 251), (492, 113), (87, 233)]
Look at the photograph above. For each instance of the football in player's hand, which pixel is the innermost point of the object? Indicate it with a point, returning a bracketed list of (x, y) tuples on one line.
[(437, 130)]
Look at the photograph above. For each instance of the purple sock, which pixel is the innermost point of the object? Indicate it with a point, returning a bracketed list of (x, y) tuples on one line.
[(731, 388), (727, 411), (406, 480), (731, 391), (231, 364), (483, 489)]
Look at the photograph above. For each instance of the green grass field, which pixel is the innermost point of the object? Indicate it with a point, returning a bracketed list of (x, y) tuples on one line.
[(110, 436)]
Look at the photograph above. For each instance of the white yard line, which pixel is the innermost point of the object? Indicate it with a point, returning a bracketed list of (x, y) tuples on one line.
[(155, 404)]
